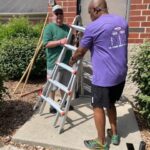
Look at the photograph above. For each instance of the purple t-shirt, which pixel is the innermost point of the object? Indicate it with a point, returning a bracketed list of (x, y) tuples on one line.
[(107, 39)]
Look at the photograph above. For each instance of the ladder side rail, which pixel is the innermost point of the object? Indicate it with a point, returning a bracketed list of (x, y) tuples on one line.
[(55, 70), (71, 81), (71, 86), (63, 52), (60, 58), (63, 119), (44, 91), (42, 106), (76, 19), (61, 106), (53, 77), (68, 100)]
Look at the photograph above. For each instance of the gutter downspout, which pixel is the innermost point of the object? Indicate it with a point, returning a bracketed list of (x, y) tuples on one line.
[(128, 9)]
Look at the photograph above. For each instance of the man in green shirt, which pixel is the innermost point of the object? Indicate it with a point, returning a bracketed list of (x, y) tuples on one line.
[(54, 37)]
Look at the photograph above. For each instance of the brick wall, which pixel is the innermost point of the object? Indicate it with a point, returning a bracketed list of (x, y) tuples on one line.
[(69, 7), (139, 18), (139, 21)]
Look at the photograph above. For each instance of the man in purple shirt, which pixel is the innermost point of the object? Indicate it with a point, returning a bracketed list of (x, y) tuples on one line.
[(107, 39)]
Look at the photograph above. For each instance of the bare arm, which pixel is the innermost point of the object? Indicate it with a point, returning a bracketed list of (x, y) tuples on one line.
[(53, 44), (79, 53)]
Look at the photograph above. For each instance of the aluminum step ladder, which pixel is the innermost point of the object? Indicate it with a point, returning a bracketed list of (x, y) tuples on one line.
[(62, 107)]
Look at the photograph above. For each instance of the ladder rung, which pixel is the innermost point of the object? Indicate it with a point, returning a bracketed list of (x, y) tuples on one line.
[(73, 48), (61, 86), (78, 28), (54, 104), (66, 67)]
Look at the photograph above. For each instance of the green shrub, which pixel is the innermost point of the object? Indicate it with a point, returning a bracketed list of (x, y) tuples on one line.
[(18, 40), (2, 88), (2, 32), (15, 55), (141, 75), (21, 27)]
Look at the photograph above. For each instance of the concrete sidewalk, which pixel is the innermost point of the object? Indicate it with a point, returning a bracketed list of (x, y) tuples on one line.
[(39, 130)]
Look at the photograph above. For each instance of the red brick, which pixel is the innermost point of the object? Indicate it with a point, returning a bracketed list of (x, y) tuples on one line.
[(60, 3), (138, 18), (65, 9), (70, 20), (146, 1), (72, 9), (146, 12), (136, 1), (145, 24), (145, 35), (148, 19), (133, 35), (135, 40), (134, 24), (72, 14), (135, 13), (70, 3), (147, 30), (135, 7)]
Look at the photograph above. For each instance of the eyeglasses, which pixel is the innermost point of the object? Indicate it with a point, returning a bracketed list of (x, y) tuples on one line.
[(58, 13)]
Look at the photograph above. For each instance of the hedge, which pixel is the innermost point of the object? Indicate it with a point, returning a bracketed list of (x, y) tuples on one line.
[(18, 40), (141, 75)]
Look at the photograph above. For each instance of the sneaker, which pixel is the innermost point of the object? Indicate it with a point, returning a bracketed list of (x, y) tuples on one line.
[(95, 145), (115, 139), (52, 110), (70, 107)]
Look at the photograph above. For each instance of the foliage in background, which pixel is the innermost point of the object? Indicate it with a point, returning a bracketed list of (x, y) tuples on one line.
[(141, 75), (18, 40), (2, 87), (20, 27)]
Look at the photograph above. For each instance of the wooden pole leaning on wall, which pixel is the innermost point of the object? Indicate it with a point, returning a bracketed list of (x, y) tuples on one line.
[(31, 65), (29, 68)]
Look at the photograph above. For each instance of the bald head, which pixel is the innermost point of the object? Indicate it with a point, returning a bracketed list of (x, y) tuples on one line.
[(97, 8), (99, 5)]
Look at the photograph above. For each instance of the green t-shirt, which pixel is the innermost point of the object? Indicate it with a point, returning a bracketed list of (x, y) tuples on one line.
[(53, 32)]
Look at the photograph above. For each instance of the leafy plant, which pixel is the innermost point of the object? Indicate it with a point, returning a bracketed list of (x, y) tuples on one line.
[(15, 55), (18, 40), (2, 87), (141, 75), (21, 27)]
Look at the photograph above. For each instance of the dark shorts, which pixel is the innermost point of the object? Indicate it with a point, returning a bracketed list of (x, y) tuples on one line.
[(106, 96)]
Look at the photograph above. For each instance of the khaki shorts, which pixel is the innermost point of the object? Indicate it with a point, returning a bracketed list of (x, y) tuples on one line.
[(63, 77)]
